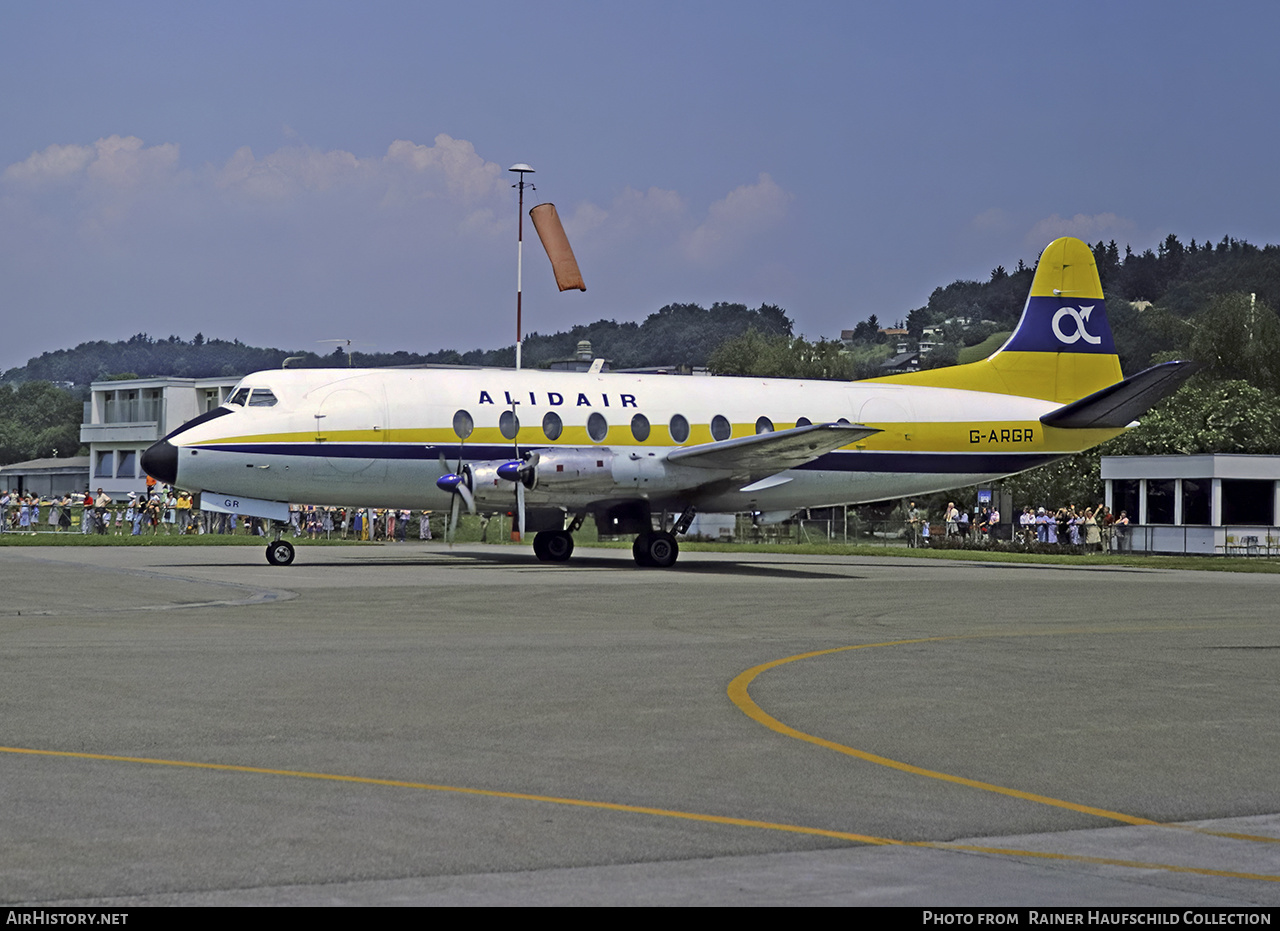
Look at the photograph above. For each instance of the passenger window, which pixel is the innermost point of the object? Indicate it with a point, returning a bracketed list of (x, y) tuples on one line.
[(241, 395), (463, 425), (720, 428), (262, 397), (509, 424), (679, 428), (764, 425), (552, 426), (640, 427), (803, 422), (597, 427)]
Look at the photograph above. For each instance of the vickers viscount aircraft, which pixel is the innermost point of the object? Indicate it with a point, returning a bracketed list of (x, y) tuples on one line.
[(631, 450)]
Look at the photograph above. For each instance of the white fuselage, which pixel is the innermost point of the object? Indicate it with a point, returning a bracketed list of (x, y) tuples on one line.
[(382, 437)]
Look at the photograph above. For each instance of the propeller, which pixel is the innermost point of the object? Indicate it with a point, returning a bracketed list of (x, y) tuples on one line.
[(522, 470), (459, 484)]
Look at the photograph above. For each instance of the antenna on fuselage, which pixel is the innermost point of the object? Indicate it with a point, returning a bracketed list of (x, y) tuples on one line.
[(345, 345)]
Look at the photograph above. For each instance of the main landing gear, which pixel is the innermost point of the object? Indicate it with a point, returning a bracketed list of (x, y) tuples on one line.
[(280, 552), (553, 545)]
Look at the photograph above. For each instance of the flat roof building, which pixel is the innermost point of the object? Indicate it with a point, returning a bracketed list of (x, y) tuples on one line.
[(1206, 503), (123, 418)]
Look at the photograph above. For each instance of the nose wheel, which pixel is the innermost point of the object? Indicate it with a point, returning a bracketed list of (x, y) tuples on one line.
[(280, 552)]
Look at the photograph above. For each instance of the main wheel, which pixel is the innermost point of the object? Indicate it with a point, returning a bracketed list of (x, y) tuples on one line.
[(656, 549), (280, 553), (663, 549), (559, 546)]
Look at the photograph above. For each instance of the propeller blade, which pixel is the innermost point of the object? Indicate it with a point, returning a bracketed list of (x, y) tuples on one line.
[(520, 508), (454, 508)]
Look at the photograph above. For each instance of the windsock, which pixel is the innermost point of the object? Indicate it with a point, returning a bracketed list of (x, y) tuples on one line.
[(547, 222)]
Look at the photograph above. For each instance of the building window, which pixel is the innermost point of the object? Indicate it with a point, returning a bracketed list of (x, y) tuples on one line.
[(1197, 499), (150, 405), (1160, 501), (102, 464), (127, 465), (1248, 501), (1124, 497)]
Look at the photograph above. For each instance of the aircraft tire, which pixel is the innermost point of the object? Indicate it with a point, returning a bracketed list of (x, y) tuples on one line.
[(660, 549), (559, 545), (280, 553)]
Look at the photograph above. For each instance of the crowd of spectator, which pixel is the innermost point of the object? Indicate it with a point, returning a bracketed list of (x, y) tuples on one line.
[(168, 511)]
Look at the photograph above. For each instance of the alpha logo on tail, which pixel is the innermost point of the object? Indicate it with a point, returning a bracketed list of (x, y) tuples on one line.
[(1081, 318)]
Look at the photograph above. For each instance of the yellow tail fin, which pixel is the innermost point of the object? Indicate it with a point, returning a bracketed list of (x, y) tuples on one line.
[(1062, 349)]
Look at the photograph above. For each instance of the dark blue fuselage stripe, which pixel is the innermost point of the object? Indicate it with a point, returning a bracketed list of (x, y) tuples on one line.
[(840, 461)]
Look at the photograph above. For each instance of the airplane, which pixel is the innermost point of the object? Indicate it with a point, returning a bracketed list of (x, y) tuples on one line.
[(554, 446)]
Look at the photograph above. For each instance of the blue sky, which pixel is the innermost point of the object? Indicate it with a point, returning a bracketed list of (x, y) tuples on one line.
[(283, 173)]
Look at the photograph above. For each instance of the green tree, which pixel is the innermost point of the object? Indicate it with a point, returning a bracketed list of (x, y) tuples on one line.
[(1238, 337)]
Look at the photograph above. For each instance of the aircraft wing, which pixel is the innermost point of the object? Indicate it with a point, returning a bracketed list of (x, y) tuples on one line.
[(756, 457), (1120, 404)]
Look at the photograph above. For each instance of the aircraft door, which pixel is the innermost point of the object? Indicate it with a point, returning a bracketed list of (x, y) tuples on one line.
[(351, 428), (887, 414)]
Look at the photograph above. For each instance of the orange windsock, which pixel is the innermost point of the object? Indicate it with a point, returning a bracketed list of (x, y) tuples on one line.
[(547, 222)]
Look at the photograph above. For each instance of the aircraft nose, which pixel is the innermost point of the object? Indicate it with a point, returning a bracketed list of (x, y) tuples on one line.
[(160, 461)]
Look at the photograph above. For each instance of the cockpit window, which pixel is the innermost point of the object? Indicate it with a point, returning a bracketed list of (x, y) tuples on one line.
[(262, 397), (240, 396)]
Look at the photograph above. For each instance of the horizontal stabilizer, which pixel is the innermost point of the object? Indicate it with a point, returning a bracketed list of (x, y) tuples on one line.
[(1120, 404), (764, 454)]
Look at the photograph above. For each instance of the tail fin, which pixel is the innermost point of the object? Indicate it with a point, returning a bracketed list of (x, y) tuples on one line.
[(1062, 349)]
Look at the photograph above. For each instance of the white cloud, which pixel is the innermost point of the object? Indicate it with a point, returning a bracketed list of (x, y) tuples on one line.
[(287, 171), (465, 172), (743, 214), (1082, 226), (117, 161), (993, 220)]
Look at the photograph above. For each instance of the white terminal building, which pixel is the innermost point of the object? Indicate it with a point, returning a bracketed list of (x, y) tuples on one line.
[(123, 418), (1208, 503)]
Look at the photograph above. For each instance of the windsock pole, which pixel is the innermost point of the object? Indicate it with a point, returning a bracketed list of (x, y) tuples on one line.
[(521, 169)]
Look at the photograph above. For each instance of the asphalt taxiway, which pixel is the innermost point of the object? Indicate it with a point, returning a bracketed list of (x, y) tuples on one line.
[(415, 724)]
